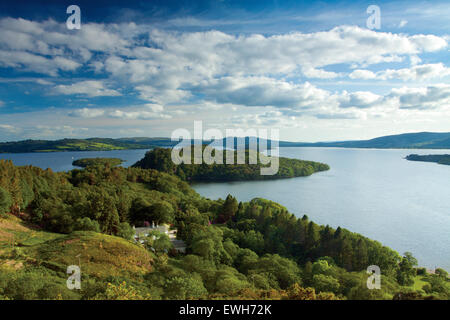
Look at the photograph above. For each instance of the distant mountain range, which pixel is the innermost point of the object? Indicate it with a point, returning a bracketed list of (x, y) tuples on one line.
[(421, 140)]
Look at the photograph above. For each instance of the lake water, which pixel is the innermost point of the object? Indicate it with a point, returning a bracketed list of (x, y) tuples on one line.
[(403, 204), (62, 161)]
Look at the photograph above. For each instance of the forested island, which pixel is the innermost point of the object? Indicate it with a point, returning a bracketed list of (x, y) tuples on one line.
[(438, 158), (234, 250), (160, 159), (85, 162)]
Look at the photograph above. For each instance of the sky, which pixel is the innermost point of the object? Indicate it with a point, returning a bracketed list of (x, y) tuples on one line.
[(316, 71)]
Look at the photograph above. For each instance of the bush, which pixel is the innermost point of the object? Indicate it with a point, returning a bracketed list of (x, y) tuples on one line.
[(125, 231), (86, 224)]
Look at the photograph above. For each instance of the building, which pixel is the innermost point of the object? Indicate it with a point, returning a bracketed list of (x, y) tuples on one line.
[(141, 232)]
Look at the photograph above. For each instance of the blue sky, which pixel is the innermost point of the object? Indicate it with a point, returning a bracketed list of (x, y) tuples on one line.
[(314, 70)]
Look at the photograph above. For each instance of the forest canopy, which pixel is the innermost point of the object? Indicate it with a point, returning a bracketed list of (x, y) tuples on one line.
[(160, 159), (85, 162), (240, 250)]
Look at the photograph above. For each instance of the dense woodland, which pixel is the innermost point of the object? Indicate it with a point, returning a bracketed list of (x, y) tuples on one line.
[(251, 250), (160, 159), (85, 162), (438, 158)]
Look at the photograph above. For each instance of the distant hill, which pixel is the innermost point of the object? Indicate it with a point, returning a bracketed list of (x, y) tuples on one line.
[(420, 140)]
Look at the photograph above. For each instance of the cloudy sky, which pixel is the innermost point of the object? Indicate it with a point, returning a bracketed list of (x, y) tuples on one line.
[(145, 68)]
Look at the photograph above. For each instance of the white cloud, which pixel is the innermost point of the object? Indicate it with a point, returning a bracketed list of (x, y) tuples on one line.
[(358, 99), (402, 23), (87, 113), (138, 115), (430, 97), (417, 72), (63, 130), (362, 74), (148, 112), (262, 91), (319, 73), (90, 88), (9, 128), (214, 70)]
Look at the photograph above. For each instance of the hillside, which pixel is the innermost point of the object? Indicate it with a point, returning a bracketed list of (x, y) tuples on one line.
[(421, 140), (234, 250), (92, 144), (42, 258)]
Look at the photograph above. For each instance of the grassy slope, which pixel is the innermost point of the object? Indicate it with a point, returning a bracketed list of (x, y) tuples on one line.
[(100, 255)]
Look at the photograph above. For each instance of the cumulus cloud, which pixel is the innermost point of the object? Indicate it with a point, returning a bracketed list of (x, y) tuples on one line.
[(9, 128), (262, 91), (138, 115), (147, 112), (90, 88), (415, 72), (213, 68), (402, 23), (64, 130), (87, 113), (358, 99), (362, 74), (319, 73), (430, 97)]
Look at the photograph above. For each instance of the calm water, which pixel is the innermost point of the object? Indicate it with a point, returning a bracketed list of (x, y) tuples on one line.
[(62, 161), (403, 204)]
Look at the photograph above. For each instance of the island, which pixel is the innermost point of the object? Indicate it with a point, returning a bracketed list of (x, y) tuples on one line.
[(86, 162), (160, 159), (438, 158)]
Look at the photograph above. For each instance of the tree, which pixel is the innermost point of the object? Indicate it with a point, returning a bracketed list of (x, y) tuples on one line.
[(162, 212), (312, 236), (86, 224), (229, 209), (323, 283), (361, 255), (410, 258), (125, 231), (441, 273), (406, 272), (5, 201), (162, 243), (122, 291), (184, 287)]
